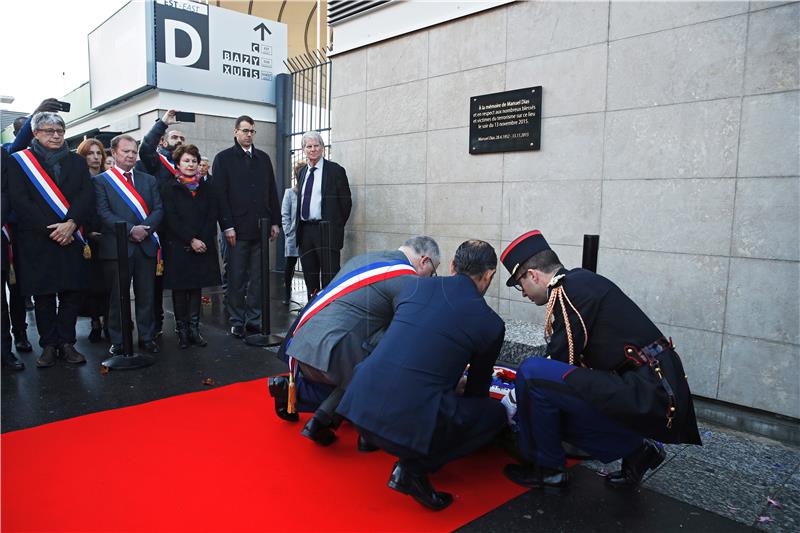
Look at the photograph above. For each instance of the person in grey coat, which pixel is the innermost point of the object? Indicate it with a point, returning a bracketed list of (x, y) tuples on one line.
[(333, 341), (289, 222)]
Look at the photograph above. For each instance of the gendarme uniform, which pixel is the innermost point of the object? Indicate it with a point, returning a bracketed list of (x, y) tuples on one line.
[(610, 379)]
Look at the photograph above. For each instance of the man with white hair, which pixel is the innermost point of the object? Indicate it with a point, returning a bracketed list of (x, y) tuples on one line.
[(342, 326), (52, 196), (324, 197)]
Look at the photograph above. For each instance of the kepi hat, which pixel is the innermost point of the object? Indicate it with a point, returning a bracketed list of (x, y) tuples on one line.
[(524, 247)]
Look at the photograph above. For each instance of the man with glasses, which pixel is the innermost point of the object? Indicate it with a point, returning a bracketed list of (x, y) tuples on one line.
[(245, 182), (52, 196), (611, 381), (342, 325), (324, 196)]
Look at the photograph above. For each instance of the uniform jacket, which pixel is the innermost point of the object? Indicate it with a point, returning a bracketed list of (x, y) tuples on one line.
[(246, 190), (440, 325), (345, 332), (289, 220), (112, 208), (188, 217), (48, 267), (149, 161), (615, 323), (336, 201)]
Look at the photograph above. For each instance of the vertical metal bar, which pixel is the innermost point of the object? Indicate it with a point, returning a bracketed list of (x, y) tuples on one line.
[(591, 245)]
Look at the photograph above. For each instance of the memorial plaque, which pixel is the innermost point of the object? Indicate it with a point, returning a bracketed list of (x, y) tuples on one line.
[(505, 122)]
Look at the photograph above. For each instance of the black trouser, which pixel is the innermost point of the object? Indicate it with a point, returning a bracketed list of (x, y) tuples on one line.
[(56, 324), (143, 271), (158, 302), (6, 322), (186, 304), (288, 274), (311, 259), (477, 421), (16, 300)]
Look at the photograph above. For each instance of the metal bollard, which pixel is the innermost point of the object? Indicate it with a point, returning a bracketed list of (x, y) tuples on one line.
[(591, 245)]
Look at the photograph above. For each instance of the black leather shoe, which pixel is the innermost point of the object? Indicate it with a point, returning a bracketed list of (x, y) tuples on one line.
[(21, 343), (48, 357), (237, 331), (532, 476), (418, 486), (71, 355), (12, 362), (318, 432), (365, 446), (149, 346), (647, 457), (279, 390), (116, 349)]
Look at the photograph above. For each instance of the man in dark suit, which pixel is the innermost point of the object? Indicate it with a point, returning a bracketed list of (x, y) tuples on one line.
[(324, 196), (142, 221), (403, 397), (245, 183)]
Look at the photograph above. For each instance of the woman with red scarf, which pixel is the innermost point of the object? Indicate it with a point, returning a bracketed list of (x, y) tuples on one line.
[(188, 239)]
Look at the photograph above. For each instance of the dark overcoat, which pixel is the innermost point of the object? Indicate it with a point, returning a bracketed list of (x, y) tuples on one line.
[(186, 218), (48, 267), (407, 385)]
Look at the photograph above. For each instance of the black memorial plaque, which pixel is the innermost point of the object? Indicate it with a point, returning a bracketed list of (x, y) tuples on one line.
[(505, 122)]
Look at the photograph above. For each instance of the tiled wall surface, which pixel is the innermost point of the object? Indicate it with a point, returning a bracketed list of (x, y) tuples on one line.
[(672, 129)]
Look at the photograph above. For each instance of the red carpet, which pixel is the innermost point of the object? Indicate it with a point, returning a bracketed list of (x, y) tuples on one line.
[(219, 460)]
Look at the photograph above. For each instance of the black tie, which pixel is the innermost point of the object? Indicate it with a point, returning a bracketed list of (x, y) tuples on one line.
[(305, 211)]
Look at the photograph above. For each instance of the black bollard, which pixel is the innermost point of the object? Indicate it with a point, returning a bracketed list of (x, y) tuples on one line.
[(591, 245), (128, 360), (264, 338), (327, 261)]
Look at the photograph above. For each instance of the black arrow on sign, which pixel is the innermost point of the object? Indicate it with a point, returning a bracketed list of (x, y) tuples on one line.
[(263, 29)]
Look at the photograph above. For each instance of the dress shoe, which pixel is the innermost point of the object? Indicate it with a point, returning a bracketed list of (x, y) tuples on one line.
[(21, 343), (279, 390), (318, 432), (48, 357), (647, 457), (417, 485), (12, 362), (366, 446), (554, 480), (149, 346), (116, 349), (237, 331), (71, 355)]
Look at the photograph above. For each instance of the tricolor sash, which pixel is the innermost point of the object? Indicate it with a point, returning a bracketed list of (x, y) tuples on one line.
[(360, 277), (46, 186), (130, 196), (167, 163)]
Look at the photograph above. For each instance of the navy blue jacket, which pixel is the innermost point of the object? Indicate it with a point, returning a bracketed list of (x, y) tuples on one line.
[(440, 325)]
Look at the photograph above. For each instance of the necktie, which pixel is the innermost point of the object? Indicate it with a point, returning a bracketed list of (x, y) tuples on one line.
[(129, 177), (305, 211)]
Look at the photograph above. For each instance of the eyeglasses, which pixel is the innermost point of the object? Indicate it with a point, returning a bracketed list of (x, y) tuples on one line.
[(518, 284), (52, 131), (433, 268), (247, 131)]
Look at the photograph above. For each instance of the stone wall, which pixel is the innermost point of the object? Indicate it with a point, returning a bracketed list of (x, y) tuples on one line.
[(670, 129)]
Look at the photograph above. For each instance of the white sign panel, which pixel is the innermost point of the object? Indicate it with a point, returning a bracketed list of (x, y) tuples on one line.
[(118, 55), (208, 50)]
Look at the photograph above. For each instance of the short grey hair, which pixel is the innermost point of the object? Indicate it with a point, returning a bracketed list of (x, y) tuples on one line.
[(46, 117), (424, 245), (312, 135)]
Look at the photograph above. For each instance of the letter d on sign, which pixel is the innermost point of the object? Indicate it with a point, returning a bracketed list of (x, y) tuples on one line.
[(195, 50)]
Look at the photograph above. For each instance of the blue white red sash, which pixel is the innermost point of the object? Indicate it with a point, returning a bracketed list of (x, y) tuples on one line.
[(167, 163), (360, 277), (130, 196), (45, 185)]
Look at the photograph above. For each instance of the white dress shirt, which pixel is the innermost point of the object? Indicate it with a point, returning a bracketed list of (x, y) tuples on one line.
[(315, 209)]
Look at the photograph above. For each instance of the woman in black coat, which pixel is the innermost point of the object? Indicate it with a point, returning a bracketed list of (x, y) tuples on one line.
[(188, 240)]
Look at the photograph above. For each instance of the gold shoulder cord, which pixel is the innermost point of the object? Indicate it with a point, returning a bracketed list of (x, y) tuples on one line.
[(558, 292)]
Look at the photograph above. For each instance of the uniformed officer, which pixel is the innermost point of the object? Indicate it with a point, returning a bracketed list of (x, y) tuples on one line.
[(611, 381), (403, 397)]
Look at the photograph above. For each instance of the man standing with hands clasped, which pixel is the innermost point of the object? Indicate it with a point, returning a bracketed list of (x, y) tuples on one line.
[(246, 184)]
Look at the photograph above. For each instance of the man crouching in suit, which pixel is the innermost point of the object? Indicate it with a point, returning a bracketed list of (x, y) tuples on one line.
[(125, 195), (403, 397)]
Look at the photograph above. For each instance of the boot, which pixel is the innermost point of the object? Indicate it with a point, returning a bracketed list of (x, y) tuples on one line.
[(646, 457), (71, 355), (194, 331), (48, 357), (183, 334)]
